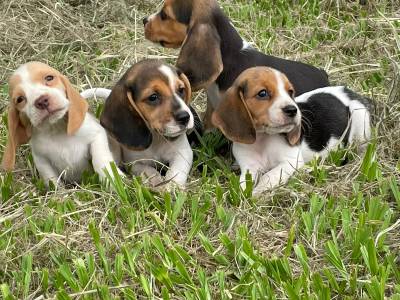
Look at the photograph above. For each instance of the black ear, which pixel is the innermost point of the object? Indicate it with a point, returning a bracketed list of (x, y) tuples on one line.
[(123, 122), (200, 58)]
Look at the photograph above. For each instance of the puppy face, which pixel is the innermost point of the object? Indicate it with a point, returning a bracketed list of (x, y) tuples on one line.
[(261, 99), (37, 92), (169, 26), (40, 97), (150, 97)]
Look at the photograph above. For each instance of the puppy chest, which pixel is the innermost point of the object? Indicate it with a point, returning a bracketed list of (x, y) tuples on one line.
[(64, 153)]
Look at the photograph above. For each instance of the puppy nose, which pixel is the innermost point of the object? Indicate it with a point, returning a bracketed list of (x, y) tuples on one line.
[(145, 21), (290, 111), (182, 117), (42, 102)]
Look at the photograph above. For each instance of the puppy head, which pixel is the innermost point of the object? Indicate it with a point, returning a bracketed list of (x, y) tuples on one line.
[(40, 97), (151, 97), (260, 100), (169, 26), (190, 24)]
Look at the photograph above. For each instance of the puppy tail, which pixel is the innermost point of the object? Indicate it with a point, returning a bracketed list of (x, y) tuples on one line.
[(96, 93)]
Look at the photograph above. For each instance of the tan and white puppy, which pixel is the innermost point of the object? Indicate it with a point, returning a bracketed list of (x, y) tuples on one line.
[(47, 112), (148, 113), (274, 134)]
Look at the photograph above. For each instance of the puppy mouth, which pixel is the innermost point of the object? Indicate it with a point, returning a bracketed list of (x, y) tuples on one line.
[(52, 113), (275, 129), (175, 133)]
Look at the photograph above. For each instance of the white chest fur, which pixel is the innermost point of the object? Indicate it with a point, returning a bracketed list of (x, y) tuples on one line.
[(55, 153)]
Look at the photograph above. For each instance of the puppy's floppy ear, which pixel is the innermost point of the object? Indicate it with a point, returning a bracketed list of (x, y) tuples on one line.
[(233, 118), (200, 58), (188, 88), (293, 137), (123, 121), (78, 107), (18, 134)]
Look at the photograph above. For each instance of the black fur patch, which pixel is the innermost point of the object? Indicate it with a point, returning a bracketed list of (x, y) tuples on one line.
[(324, 117), (304, 77)]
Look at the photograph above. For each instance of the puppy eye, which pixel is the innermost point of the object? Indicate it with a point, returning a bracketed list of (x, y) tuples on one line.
[(20, 99), (263, 94), (154, 98), (163, 15), (49, 78), (291, 93), (181, 91)]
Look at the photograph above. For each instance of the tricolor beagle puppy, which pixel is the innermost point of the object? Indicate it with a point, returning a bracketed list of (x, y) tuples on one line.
[(274, 134), (47, 112), (147, 112), (213, 54)]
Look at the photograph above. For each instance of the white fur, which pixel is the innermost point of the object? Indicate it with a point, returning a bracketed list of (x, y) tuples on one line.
[(57, 155), (173, 129), (272, 161)]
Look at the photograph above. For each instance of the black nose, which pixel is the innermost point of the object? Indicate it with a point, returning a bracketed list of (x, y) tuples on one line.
[(290, 111), (145, 21), (182, 117), (42, 103)]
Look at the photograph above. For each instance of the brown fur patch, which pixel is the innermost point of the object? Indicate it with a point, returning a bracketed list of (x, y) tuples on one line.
[(253, 81), (169, 31)]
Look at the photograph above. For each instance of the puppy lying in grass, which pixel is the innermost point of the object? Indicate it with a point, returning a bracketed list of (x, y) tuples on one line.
[(49, 114), (274, 133)]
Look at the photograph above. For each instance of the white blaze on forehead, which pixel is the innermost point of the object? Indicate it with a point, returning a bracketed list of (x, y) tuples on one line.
[(167, 71), (170, 74)]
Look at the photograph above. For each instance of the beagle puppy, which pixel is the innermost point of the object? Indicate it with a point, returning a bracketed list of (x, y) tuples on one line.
[(47, 112), (147, 113), (273, 133), (212, 52)]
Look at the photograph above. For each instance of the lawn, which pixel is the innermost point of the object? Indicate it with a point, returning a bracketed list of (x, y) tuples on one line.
[(333, 232)]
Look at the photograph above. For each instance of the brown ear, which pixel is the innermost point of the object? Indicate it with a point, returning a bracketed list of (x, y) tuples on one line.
[(200, 58), (293, 137), (123, 121), (188, 93), (18, 134), (233, 118), (78, 107)]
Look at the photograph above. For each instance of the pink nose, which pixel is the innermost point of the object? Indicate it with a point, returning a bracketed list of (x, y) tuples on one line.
[(42, 102)]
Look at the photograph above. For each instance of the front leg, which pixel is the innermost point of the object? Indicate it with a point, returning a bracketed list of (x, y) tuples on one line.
[(46, 171), (148, 173), (276, 176), (181, 163), (102, 156)]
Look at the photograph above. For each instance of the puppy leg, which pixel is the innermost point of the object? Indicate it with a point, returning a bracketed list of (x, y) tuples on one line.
[(45, 169), (278, 175), (148, 173), (181, 163), (102, 156)]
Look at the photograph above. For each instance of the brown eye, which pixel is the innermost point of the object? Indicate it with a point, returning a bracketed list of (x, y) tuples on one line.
[(49, 78), (20, 99), (263, 95), (163, 15), (181, 91), (154, 98), (291, 93)]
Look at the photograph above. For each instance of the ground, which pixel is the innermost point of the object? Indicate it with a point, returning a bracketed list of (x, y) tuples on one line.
[(332, 232)]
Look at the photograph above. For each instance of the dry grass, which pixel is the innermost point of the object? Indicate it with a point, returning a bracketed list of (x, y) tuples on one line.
[(93, 42)]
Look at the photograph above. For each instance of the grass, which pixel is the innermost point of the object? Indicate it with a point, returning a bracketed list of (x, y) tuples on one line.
[(332, 232)]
